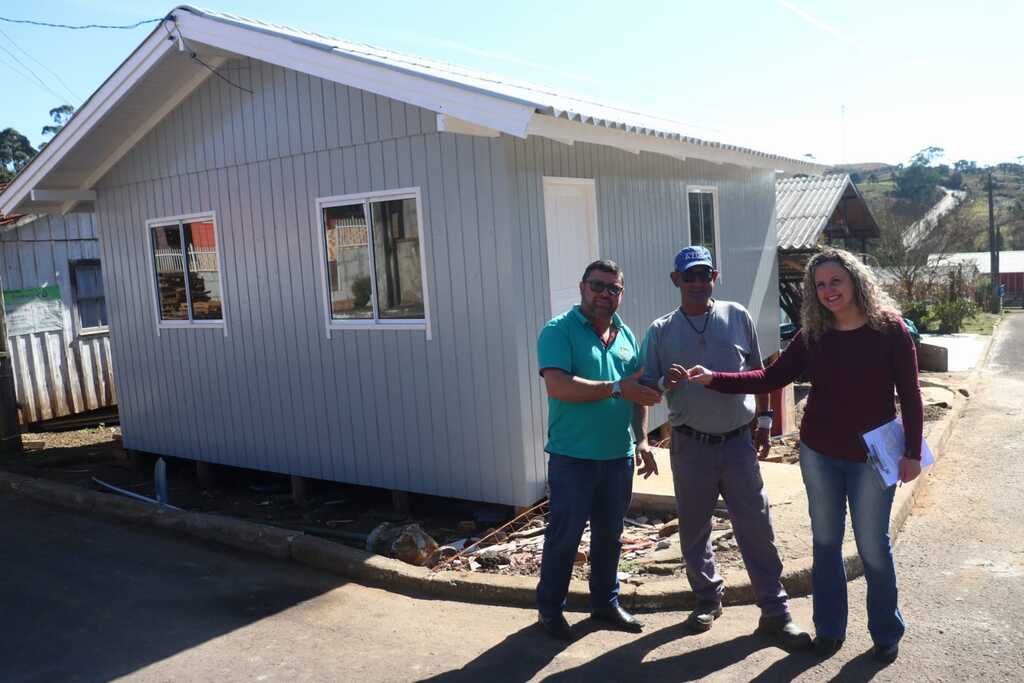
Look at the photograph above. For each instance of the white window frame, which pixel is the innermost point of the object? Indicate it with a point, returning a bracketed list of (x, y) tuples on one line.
[(73, 277), (719, 252), (374, 323), (154, 290)]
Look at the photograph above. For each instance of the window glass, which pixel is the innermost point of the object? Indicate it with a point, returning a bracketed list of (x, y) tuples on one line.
[(702, 222), (203, 271), (170, 272), (89, 298), (348, 262), (396, 251)]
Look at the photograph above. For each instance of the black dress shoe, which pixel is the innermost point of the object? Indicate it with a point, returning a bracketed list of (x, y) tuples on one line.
[(784, 631), (886, 654), (826, 647), (702, 618), (617, 617), (557, 627)]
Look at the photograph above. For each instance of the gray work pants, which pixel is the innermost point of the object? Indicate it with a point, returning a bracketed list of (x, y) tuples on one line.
[(701, 472)]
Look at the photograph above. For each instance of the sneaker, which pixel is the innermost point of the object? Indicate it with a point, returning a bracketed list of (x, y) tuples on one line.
[(703, 617), (886, 654), (785, 632), (826, 647)]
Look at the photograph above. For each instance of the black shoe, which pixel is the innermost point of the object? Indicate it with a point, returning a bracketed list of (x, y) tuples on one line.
[(702, 618), (784, 631), (886, 654), (557, 627), (617, 617), (826, 647)]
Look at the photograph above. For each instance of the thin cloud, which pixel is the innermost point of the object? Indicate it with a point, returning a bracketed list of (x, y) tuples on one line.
[(819, 24)]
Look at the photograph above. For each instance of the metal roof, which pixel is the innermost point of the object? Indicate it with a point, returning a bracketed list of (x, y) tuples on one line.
[(545, 100), (1009, 261), (804, 205)]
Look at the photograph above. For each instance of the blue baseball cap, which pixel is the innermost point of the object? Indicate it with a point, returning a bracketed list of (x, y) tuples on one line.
[(688, 257)]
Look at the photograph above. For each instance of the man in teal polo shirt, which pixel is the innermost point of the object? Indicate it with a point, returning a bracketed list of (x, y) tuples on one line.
[(590, 362)]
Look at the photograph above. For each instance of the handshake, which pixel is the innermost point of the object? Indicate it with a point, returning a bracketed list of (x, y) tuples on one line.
[(677, 373)]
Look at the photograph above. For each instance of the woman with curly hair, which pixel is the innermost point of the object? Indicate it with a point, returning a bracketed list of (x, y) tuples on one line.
[(855, 348)]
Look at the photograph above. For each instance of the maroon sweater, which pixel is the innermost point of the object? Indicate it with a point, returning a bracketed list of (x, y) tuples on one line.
[(852, 376)]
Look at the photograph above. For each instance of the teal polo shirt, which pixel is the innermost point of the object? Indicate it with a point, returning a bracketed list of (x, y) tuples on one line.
[(596, 430)]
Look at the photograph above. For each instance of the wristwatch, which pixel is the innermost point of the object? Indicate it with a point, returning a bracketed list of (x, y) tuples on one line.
[(616, 389)]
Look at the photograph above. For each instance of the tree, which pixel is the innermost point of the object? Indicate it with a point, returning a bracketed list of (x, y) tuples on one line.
[(15, 152), (60, 116), (965, 166)]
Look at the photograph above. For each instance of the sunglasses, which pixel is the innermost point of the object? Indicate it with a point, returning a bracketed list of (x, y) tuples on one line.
[(697, 275), (596, 286)]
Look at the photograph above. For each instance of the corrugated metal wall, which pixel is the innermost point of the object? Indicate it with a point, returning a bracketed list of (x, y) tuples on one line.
[(56, 373), (459, 415), (383, 408), (642, 223)]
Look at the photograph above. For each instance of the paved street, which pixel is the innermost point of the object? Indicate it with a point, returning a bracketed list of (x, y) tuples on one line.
[(84, 599)]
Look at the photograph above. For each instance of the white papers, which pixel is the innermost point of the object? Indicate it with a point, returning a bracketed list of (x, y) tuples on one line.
[(886, 445)]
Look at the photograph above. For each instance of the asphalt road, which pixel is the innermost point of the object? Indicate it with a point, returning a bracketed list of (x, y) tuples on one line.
[(84, 599)]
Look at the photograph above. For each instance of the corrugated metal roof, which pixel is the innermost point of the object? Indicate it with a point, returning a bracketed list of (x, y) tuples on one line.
[(1009, 261), (544, 100), (803, 207)]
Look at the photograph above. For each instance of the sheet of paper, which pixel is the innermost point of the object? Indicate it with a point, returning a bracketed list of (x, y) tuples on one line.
[(886, 445)]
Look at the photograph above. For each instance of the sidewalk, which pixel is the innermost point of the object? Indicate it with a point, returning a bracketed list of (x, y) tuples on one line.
[(785, 491)]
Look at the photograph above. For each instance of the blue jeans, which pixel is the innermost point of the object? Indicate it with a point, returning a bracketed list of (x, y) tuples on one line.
[(598, 490), (830, 484)]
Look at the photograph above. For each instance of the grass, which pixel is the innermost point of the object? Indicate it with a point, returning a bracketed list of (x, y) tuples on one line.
[(980, 323)]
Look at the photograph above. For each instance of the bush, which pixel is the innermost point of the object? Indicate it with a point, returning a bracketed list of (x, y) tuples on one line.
[(361, 291), (951, 314), (919, 313)]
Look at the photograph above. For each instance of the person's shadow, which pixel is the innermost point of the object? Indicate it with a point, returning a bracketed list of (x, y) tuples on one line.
[(524, 653)]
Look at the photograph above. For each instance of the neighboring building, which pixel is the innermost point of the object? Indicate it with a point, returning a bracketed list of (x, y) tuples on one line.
[(55, 315), (333, 261), (811, 212), (1011, 269)]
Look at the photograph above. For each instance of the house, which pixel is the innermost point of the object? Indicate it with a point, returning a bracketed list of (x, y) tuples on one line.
[(55, 316), (1011, 269), (811, 212), (333, 261)]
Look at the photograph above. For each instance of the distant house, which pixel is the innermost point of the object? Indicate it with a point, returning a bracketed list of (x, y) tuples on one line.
[(1011, 269), (333, 261), (55, 315), (811, 212)]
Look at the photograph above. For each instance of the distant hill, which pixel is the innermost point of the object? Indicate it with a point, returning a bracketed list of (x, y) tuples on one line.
[(865, 167)]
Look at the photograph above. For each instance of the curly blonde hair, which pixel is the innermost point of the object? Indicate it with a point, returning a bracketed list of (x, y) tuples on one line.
[(868, 294)]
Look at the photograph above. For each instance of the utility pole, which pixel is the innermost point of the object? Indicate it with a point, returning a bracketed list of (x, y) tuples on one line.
[(10, 432), (993, 242)]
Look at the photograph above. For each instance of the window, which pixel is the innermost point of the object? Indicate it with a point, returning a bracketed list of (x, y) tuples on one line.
[(186, 271), (373, 259), (704, 220), (87, 292)]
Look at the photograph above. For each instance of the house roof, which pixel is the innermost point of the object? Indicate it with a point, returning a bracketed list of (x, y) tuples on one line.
[(1009, 261), (806, 206), (161, 72)]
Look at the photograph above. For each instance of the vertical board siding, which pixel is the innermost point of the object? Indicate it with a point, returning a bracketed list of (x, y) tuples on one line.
[(386, 408), (56, 373), (642, 223)]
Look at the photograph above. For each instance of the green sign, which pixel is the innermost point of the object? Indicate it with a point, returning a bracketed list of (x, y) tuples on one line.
[(36, 309)]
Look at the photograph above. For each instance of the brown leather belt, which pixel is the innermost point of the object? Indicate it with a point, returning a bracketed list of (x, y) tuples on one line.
[(710, 439)]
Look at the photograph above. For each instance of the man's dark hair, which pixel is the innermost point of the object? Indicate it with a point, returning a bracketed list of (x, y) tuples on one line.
[(605, 266)]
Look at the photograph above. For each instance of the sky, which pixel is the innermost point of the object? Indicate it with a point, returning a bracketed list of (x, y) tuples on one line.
[(846, 82)]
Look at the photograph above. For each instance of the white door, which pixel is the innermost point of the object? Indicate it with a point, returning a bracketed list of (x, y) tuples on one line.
[(570, 214)]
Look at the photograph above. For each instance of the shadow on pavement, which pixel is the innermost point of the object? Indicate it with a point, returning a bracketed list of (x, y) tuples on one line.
[(88, 599)]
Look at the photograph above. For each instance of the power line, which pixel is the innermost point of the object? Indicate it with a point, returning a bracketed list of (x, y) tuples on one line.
[(194, 56), (60, 98), (80, 27), (52, 72)]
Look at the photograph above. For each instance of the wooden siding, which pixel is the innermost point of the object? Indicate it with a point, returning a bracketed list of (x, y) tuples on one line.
[(642, 223), (56, 373), (377, 407)]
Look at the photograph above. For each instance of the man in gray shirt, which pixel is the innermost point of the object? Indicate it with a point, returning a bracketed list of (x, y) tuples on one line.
[(712, 451)]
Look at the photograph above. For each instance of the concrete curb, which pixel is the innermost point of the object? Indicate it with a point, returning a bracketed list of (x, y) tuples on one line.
[(399, 577)]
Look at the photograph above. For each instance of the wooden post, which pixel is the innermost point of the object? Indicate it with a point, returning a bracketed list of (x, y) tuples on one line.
[(299, 491), (400, 501), (204, 473)]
